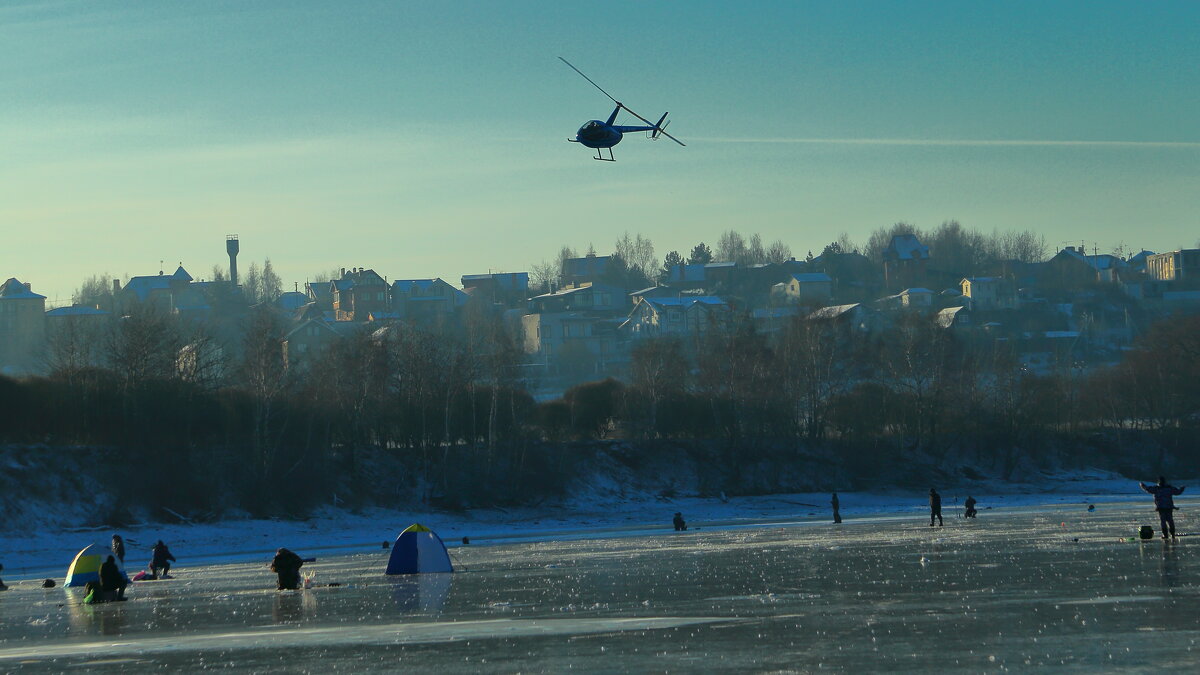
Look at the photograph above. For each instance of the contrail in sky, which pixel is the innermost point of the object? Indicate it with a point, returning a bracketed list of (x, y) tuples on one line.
[(961, 142)]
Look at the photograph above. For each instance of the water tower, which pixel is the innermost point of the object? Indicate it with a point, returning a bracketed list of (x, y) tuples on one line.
[(232, 247)]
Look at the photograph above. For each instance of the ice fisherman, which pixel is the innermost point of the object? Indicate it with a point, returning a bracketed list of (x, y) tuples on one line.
[(118, 547), (680, 524), (1164, 503), (161, 560), (935, 507), (287, 565), (833, 501), (969, 505), (111, 578)]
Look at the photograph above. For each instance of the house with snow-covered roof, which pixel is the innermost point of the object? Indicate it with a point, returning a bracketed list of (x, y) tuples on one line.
[(989, 293), (173, 292), (586, 297), (358, 293), (22, 327), (509, 289), (904, 261), (808, 288), (677, 315), (425, 300)]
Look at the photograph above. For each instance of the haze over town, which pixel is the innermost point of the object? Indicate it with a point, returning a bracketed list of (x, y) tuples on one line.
[(429, 141)]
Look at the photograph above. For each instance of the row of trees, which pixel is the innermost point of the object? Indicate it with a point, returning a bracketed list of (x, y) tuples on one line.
[(915, 384), (955, 250), (205, 418)]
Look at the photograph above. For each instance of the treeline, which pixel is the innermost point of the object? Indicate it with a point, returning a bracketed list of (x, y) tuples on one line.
[(954, 250), (204, 424)]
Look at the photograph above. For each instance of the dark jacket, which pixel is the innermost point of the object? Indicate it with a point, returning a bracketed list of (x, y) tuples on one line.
[(935, 501), (287, 565), (118, 548), (161, 555), (1163, 495), (111, 578), (970, 503)]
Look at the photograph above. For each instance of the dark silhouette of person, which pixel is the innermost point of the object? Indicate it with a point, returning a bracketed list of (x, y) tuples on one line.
[(837, 517), (970, 511), (935, 507), (680, 524), (118, 548), (111, 578), (287, 566), (160, 560), (1164, 503), (2, 586)]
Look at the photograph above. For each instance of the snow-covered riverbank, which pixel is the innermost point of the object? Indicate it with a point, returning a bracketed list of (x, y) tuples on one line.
[(602, 512)]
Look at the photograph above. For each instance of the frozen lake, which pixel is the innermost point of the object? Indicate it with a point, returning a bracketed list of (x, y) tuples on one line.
[(1027, 587)]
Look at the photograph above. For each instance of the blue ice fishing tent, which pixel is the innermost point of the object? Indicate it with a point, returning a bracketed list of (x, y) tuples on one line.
[(419, 550)]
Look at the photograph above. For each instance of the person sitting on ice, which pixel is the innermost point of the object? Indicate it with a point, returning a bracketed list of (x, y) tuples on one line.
[(680, 525), (161, 560), (287, 565), (970, 511), (1164, 503), (111, 578)]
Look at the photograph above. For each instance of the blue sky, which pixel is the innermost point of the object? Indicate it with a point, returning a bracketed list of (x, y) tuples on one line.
[(428, 139)]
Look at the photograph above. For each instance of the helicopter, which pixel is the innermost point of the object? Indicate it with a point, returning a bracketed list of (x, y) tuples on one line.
[(600, 135)]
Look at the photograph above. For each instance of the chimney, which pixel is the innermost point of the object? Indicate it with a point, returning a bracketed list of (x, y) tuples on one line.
[(28, 286), (343, 272), (232, 247), (116, 286)]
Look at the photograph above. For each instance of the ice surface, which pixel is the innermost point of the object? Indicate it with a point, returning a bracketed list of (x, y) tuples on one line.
[(1050, 586)]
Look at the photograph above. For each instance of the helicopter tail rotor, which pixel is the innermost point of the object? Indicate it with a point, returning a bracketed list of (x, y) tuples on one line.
[(660, 129)]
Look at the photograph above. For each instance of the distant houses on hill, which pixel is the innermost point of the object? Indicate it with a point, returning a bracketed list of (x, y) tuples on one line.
[(588, 323)]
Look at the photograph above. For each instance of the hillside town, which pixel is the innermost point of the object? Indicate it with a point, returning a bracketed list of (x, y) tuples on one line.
[(580, 319)]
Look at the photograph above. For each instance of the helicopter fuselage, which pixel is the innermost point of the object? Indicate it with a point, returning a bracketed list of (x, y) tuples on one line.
[(600, 134), (597, 134)]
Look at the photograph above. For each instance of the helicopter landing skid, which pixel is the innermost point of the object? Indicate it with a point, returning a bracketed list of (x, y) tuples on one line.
[(600, 155)]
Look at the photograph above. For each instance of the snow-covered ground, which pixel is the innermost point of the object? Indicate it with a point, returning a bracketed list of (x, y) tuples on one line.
[(1021, 588), (604, 511)]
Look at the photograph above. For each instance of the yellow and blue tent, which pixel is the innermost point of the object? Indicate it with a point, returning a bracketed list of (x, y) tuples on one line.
[(419, 550), (86, 566)]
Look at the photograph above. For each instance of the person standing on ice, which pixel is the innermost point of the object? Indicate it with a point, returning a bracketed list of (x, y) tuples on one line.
[(935, 507), (1164, 503), (969, 511), (118, 548), (837, 517)]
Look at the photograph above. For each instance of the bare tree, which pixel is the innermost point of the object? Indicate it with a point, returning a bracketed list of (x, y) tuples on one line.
[(731, 247), (542, 276), (95, 291), (778, 252), (252, 284), (143, 345), (73, 344), (271, 285)]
